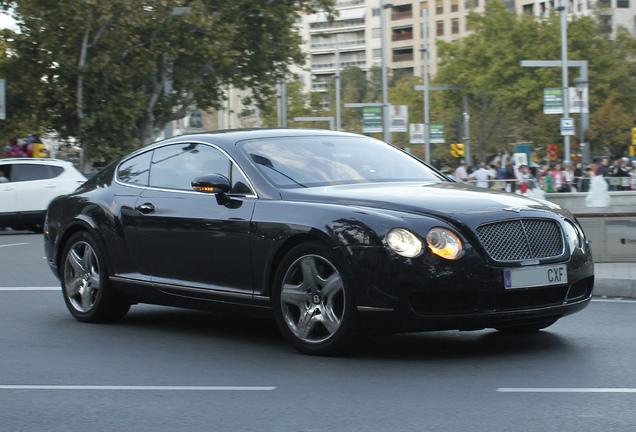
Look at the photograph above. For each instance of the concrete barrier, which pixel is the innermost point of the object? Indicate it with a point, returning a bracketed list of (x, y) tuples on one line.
[(610, 230)]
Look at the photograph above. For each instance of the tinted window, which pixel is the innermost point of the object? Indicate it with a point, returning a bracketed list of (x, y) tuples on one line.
[(175, 166), (326, 160), (26, 172), (135, 171)]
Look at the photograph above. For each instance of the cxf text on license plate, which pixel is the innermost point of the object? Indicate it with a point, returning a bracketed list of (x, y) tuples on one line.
[(535, 276)]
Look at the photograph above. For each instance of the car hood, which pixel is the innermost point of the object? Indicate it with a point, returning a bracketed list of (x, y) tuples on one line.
[(446, 199)]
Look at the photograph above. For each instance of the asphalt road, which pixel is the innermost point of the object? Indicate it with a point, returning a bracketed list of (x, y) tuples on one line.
[(163, 369)]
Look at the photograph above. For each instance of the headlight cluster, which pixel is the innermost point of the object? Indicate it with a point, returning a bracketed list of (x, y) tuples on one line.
[(404, 242), (444, 243), (441, 242), (574, 235)]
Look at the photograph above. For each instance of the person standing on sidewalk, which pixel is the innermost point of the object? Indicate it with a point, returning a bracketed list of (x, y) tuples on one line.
[(482, 175)]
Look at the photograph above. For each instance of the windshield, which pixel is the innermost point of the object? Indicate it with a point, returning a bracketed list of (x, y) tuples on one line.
[(310, 161)]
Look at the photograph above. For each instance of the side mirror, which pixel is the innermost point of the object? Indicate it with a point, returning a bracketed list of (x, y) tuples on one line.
[(211, 183)]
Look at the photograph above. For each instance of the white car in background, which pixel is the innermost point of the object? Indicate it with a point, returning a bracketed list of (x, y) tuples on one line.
[(32, 184)]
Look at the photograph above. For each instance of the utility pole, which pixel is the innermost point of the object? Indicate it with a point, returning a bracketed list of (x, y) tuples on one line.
[(564, 74), (338, 115), (427, 133), (386, 131)]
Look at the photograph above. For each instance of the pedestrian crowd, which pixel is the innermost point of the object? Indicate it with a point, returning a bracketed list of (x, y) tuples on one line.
[(619, 176)]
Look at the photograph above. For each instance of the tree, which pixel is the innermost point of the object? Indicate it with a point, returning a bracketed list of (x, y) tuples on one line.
[(505, 98), (112, 73), (299, 104)]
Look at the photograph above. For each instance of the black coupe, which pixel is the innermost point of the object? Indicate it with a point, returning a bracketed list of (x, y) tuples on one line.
[(333, 234)]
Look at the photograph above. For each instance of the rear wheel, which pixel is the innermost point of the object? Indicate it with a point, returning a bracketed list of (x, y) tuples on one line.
[(85, 286), (313, 302)]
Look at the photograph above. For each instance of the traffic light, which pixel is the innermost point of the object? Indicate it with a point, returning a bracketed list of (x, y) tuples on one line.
[(459, 136), (457, 150), (634, 136)]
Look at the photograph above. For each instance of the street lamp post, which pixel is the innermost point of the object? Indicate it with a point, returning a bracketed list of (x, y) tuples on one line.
[(581, 85), (427, 126), (386, 132), (564, 75)]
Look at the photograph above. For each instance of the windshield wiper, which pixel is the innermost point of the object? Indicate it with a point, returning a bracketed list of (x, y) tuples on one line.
[(262, 160)]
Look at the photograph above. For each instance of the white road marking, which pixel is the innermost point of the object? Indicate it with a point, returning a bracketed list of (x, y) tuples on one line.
[(136, 388), (57, 288), (614, 300), (567, 390), (14, 244)]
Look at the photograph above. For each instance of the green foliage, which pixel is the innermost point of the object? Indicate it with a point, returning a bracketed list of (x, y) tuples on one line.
[(112, 73), (506, 100)]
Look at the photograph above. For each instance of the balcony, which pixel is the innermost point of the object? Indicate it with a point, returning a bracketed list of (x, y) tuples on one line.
[(343, 64), (344, 3), (402, 57), (402, 36), (401, 15), (341, 45)]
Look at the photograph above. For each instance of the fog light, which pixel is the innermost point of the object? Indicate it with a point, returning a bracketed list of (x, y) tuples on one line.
[(444, 243), (404, 242)]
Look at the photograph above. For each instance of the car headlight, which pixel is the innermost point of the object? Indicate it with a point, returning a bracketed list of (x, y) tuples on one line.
[(574, 236), (444, 243), (404, 242)]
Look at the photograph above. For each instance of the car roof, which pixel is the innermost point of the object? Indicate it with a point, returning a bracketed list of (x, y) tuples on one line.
[(235, 135), (37, 161)]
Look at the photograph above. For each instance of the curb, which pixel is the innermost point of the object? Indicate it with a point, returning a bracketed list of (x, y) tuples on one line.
[(624, 288)]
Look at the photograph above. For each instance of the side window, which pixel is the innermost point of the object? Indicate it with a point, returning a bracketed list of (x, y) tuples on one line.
[(175, 166), (28, 172), (239, 182), (135, 171), (5, 171)]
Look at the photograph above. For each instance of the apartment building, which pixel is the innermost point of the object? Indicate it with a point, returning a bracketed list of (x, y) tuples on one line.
[(353, 37), (613, 14)]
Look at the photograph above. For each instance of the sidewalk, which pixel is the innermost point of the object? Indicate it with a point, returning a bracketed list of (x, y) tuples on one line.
[(615, 280)]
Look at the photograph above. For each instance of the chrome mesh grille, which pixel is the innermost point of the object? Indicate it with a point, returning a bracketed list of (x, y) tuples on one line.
[(521, 239)]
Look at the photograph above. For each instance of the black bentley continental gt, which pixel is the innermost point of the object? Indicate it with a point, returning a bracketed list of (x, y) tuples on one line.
[(331, 234)]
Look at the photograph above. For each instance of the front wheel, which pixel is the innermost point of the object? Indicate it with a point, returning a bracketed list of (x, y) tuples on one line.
[(312, 300), (85, 286)]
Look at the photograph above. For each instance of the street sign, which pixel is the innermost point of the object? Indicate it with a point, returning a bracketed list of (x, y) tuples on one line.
[(436, 133), (567, 126)]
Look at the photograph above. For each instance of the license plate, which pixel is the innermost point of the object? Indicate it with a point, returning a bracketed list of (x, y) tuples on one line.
[(535, 276)]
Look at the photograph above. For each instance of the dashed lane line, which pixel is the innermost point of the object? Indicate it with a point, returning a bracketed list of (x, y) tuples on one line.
[(51, 288), (567, 390), (137, 388)]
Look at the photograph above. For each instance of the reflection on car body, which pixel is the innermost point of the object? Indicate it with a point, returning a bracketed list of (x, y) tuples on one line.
[(331, 234)]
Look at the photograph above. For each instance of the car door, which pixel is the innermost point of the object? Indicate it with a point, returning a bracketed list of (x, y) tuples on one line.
[(35, 185), (189, 238)]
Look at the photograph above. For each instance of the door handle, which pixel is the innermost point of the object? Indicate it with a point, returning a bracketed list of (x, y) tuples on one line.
[(145, 208)]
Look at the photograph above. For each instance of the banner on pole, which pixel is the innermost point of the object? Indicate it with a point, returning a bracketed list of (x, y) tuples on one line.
[(436, 133), (371, 119), (416, 133), (553, 100), (399, 118)]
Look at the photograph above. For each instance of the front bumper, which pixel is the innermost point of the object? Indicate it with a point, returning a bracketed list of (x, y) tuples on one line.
[(430, 293)]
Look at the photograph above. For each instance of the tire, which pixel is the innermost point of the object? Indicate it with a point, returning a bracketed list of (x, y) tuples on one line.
[(87, 293), (313, 301), (527, 328)]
